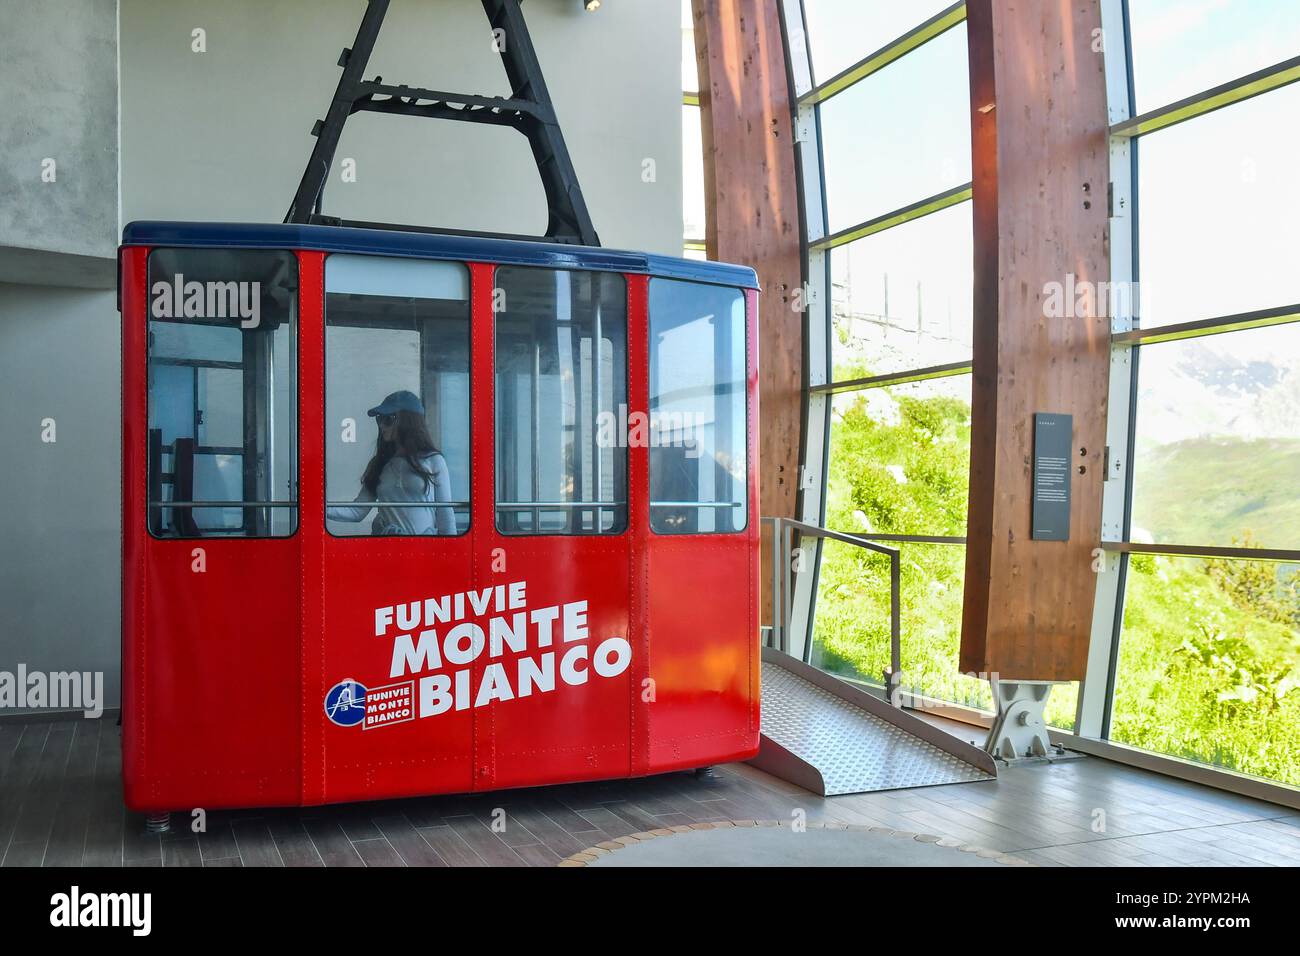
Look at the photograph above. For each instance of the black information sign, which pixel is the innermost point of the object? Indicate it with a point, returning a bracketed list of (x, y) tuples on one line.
[(1053, 443)]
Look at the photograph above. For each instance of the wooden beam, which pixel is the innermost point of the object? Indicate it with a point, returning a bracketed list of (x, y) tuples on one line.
[(752, 214), (1040, 148)]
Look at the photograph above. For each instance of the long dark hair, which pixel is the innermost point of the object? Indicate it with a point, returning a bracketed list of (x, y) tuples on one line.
[(413, 443)]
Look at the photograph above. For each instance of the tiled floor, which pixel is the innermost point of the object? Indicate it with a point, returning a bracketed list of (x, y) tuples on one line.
[(60, 805)]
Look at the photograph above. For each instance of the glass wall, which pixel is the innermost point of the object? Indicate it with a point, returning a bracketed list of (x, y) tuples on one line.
[(900, 458), (1208, 663), (901, 299), (1202, 528), (843, 32), (1182, 48), (1237, 239), (899, 135), (693, 204), (1208, 660), (1217, 440), (898, 309)]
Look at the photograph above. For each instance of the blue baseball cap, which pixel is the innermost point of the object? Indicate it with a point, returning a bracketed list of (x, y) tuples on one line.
[(398, 402)]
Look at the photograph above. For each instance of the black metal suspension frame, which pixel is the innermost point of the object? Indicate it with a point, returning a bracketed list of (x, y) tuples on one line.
[(528, 109)]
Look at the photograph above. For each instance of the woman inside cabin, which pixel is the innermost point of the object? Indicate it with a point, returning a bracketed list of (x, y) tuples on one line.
[(406, 467)]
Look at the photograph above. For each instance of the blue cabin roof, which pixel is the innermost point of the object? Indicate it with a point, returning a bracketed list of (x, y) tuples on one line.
[(431, 245)]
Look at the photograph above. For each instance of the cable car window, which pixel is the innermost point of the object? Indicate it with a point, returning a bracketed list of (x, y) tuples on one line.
[(397, 452), (560, 465), (223, 412), (697, 408)]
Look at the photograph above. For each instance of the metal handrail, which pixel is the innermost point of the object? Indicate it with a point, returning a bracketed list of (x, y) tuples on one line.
[(397, 504), (556, 505), (697, 504), (783, 530), (224, 504)]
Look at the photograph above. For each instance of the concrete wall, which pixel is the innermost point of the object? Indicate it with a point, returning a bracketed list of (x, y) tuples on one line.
[(58, 75), (60, 543), (224, 135)]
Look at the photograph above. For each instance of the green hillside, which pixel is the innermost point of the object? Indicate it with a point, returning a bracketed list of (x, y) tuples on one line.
[(1209, 491)]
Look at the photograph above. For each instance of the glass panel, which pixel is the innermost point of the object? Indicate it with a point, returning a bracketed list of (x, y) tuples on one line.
[(851, 629), (557, 457), (1182, 48), (690, 70), (692, 175), (900, 459), (698, 409), (1209, 663), (1219, 200), (842, 32), (223, 393), (903, 298), (174, 340), (900, 135), (1062, 706), (396, 396), (1218, 440)]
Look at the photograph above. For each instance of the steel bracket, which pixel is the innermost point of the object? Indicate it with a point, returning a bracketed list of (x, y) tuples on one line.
[(1020, 729)]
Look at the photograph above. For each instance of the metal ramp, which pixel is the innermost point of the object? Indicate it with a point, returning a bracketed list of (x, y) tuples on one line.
[(829, 737)]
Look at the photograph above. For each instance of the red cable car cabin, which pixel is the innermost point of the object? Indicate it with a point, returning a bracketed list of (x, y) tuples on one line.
[(535, 562)]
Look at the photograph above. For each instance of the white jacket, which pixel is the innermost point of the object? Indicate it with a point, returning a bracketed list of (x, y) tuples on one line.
[(400, 482)]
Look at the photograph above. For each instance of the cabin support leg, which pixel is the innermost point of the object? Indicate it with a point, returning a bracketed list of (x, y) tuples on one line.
[(158, 823), (1020, 729)]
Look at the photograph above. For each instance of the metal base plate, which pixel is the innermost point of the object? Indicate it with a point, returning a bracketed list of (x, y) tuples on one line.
[(1056, 755), (852, 749)]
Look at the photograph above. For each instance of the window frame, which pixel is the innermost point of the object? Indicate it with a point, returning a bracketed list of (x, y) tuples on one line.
[(468, 504), (748, 424), (626, 504), (295, 451)]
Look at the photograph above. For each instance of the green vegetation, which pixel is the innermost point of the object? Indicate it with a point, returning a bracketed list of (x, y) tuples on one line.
[(1209, 662), (1210, 490), (899, 464), (1210, 655)]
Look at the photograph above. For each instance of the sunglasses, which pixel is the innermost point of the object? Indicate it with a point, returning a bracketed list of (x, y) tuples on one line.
[(385, 419)]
